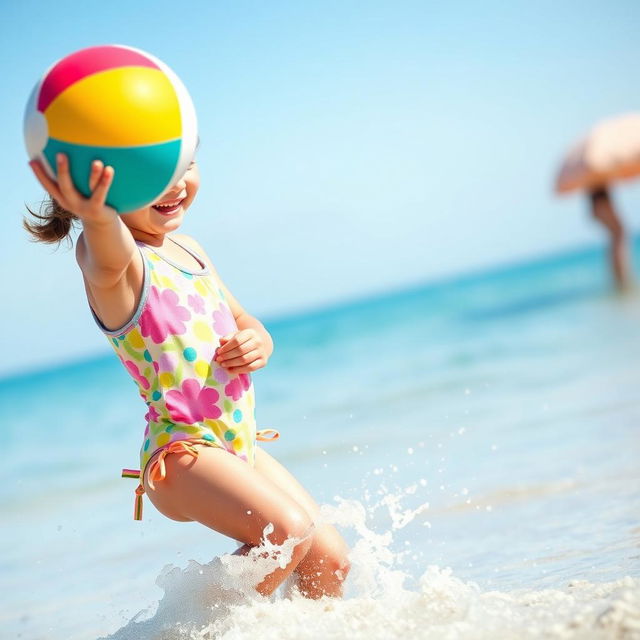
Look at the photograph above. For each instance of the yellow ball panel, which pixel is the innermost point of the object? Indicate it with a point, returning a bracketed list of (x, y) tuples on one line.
[(121, 107)]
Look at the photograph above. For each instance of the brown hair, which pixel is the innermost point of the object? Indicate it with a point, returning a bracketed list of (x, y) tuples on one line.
[(53, 224)]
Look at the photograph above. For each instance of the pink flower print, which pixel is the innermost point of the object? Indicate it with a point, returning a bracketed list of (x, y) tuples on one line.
[(192, 403), (223, 321), (196, 303), (238, 386), (221, 375), (168, 363), (152, 415), (132, 368), (163, 315)]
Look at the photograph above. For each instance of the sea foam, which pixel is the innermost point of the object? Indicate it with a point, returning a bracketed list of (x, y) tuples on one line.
[(382, 601)]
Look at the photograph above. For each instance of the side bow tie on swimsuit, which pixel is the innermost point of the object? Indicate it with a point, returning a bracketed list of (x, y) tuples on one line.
[(158, 471), (168, 348)]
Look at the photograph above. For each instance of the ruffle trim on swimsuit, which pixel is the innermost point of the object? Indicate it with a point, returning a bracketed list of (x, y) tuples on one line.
[(158, 469)]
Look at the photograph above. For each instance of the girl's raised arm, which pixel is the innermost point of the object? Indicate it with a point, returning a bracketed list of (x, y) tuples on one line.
[(106, 247)]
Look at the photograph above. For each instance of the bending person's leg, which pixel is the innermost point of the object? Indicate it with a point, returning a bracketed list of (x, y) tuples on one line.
[(604, 212), (228, 495)]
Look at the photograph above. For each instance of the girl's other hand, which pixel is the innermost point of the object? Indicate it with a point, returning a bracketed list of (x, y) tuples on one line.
[(91, 209), (242, 352)]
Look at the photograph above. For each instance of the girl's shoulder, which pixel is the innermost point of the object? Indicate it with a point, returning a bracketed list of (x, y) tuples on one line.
[(195, 247), (192, 244), (236, 307)]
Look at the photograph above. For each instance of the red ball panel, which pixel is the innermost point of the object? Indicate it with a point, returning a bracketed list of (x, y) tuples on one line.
[(86, 62)]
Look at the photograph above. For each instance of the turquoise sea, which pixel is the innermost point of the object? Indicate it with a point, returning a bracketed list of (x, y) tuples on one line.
[(477, 442)]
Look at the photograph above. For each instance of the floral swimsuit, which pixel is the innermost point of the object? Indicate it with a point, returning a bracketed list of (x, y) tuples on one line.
[(168, 347)]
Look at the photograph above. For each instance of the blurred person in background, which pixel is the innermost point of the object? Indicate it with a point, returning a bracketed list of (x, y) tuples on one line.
[(604, 211), (609, 152)]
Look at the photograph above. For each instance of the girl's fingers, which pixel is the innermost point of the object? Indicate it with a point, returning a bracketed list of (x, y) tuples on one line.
[(43, 178), (99, 194), (94, 176), (67, 187), (237, 351), (249, 368), (243, 360), (64, 191), (238, 340)]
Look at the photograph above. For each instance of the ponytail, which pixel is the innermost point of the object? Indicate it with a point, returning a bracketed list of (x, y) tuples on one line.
[(53, 224)]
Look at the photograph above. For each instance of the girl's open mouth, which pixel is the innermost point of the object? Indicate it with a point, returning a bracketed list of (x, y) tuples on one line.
[(168, 208)]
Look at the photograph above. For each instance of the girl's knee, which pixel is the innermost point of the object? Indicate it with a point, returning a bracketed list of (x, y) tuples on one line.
[(336, 563), (320, 575), (344, 566), (329, 554), (293, 524)]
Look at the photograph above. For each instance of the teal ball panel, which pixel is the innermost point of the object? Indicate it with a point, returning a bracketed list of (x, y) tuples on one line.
[(141, 173)]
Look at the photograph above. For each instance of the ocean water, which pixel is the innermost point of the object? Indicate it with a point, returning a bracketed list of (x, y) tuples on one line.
[(475, 441)]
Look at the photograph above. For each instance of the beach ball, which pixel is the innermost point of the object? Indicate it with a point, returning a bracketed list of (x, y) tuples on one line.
[(119, 105)]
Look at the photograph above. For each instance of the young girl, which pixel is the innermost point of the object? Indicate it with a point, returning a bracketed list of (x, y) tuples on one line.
[(190, 347)]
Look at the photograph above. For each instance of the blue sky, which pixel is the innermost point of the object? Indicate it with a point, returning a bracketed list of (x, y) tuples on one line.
[(347, 148)]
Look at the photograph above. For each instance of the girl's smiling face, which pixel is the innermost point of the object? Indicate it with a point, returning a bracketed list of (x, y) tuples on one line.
[(166, 214)]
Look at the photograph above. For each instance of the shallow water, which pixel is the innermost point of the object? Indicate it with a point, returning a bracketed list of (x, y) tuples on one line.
[(475, 441)]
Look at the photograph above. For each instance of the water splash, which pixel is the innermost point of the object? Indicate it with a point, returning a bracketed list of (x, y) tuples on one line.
[(216, 600), (202, 594)]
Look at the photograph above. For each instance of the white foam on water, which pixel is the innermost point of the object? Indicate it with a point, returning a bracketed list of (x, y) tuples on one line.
[(216, 600)]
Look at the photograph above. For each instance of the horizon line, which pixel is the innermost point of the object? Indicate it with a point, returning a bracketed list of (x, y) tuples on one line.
[(466, 276)]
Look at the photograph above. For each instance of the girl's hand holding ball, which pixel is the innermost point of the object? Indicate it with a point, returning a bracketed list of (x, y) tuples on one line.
[(92, 209)]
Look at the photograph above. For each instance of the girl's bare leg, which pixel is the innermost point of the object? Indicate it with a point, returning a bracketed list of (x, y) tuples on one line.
[(228, 495), (325, 566)]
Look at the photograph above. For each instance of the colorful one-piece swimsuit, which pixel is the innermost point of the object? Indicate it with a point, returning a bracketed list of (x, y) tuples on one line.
[(168, 347)]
